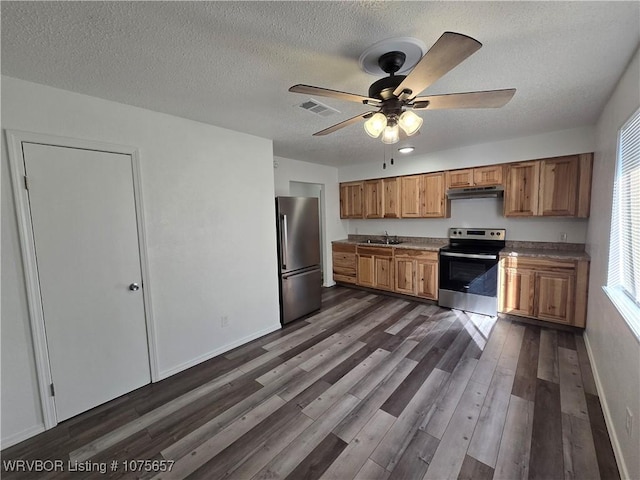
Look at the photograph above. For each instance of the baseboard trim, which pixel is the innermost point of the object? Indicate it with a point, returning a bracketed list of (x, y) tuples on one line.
[(218, 351), (617, 450), (21, 436)]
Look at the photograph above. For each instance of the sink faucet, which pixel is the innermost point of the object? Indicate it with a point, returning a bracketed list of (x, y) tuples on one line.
[(386, 237)]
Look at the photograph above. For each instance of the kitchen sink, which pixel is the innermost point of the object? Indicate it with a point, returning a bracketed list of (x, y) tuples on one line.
[(382, 241)]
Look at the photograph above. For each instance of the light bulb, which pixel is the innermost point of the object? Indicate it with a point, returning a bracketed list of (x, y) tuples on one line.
[(375, 125), (391, 134), (410, 122)]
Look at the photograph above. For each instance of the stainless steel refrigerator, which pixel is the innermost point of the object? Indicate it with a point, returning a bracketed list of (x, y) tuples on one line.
[(298, 226)]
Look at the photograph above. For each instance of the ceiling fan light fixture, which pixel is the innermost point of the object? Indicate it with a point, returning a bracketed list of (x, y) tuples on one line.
[(410, 122), (391, 134), (375, 125)]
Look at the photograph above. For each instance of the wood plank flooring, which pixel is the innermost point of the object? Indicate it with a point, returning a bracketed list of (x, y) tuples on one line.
[(369, 387)]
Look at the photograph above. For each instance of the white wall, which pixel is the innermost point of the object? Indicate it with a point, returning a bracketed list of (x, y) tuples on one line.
[(208, 195), (615, 351), (478, 213), (289, 170)]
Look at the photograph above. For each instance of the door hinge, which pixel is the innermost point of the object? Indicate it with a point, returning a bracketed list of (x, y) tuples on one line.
[(52, 390), (26, 182)]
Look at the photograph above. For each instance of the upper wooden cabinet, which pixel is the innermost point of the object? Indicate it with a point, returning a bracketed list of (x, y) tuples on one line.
[(373, 199), (381, 198), (478, 177), (487, 176), (460, 178), (391, 200), (434, 203), (521, 189), (410, 187), (423, 196), (351, 200), (556, 187)]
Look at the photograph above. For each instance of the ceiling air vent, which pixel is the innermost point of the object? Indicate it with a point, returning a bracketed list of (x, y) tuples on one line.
[(318, 108)]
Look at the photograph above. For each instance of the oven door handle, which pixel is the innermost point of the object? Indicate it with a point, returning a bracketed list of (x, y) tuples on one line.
[(469, 255)]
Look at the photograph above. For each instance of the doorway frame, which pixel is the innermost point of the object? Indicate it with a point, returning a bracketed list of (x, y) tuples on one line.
[(15, 138)]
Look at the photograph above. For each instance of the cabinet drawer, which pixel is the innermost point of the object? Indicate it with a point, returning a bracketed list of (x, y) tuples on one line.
[(344, 260), (538, 263), (406, 253), (377, 251), (344, 278), (344, 248)]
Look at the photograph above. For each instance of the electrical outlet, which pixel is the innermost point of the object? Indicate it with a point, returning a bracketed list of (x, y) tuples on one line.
[(628, 425), (563, 237), (224, 321)]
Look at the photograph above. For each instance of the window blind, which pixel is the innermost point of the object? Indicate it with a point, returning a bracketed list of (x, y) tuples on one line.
[(624, 259)]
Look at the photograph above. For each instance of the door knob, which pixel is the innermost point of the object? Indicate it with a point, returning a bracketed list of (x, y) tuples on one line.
[(134, 287)]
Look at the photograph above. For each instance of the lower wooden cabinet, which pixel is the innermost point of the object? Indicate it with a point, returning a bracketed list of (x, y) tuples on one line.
[(517, 291), (375, 267), (344, 263), (416, 272), (546, 289), (402, 270)]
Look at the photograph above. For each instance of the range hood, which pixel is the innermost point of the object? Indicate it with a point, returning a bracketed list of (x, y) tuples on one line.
[(475, 192)]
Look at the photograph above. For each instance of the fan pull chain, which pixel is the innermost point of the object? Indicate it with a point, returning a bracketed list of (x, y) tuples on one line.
[(384, 157)]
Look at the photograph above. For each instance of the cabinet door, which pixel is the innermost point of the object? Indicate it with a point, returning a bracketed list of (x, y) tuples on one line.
[(433, 203), (427, 281), (487, 176), (517, 291), (355, 201), (373, 195), (559, 186), (391, 198), (410, 188), (351, 201), (521, 190), (554, 296), (344, 201), (384, 273), (405, 276), (460, 178), (366, 276)]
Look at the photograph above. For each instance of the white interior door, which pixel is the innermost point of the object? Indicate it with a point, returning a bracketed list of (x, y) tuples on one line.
[(86, 242)]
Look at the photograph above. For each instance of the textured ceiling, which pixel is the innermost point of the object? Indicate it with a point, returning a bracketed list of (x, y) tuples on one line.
[(230, 63)]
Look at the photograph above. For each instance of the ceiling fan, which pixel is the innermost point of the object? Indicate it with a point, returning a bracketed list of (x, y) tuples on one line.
[(396, 95)]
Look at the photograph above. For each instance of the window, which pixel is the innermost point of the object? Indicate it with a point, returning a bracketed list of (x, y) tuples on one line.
[(624, 257)]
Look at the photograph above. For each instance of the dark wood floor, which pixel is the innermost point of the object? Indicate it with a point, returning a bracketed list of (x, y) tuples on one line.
[(371, 387)]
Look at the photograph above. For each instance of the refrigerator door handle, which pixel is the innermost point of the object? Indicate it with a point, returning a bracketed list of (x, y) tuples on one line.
[(284, 246)]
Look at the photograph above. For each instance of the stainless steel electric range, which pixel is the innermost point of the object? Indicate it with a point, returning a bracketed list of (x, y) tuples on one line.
[(469, 270)]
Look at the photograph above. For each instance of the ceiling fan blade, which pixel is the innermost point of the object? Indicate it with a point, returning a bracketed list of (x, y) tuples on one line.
[(325, 92), (346, 123), (486, 99), (448, 52)]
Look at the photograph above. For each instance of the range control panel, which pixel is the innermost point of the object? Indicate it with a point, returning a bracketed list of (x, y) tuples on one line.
[(478, 233)]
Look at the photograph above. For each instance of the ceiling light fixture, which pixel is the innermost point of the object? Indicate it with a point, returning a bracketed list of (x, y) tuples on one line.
[(391, 133), (406, 149), (389, 124), (375, 125)]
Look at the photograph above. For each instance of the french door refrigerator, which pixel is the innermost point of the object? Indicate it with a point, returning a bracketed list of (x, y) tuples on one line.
[(298, 226)]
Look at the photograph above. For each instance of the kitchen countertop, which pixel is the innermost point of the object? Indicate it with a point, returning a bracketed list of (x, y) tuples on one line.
[(559, 251), (544, 253), (433, 245)]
